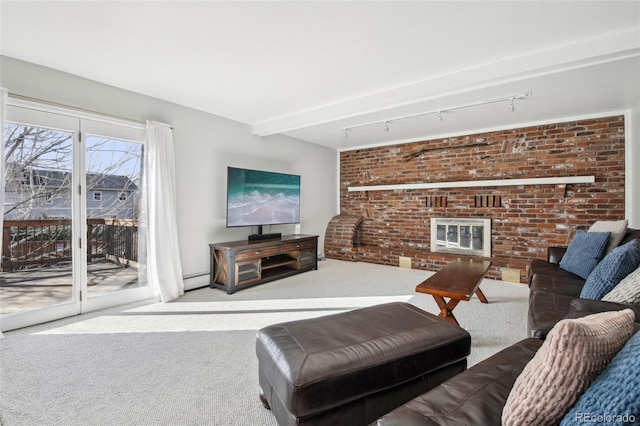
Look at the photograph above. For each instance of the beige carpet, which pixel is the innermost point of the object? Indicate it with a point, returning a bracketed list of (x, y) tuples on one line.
[(192, 361)]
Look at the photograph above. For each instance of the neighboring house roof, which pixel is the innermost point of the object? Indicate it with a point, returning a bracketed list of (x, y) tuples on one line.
[(96, 181), (100, 181)]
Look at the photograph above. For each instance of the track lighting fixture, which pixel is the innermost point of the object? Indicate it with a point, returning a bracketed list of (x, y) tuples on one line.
[(439, 111)]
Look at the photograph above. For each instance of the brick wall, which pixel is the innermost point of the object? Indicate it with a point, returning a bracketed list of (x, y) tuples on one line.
[(526, 219), (340, 237)]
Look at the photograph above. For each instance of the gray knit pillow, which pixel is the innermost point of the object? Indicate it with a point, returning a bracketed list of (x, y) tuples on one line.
[(627, 290), (617, 228), (574, 353)]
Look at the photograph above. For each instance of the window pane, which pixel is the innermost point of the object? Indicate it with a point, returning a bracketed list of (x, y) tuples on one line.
[(478, 236), (113, 173), (465, 236), (441, 236), (36, 252), (452, 235)]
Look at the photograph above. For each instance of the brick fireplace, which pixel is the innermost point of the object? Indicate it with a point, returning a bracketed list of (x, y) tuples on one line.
[(525, 218)]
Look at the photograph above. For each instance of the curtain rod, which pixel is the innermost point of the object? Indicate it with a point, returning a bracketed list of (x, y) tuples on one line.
[(135, 123)]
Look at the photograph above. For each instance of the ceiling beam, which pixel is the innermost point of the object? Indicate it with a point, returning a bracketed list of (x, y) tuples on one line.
[(584, 53)]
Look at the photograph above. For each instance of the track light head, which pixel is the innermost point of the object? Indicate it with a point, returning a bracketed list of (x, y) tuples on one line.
[(511, 106), (386, 126), (439, 116)]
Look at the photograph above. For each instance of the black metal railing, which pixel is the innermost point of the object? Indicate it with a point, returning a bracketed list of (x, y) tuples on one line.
[(38, 243)]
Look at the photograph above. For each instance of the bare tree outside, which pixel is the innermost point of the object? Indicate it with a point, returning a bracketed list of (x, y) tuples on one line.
[(38, 185), (113, 165), (28, 149)]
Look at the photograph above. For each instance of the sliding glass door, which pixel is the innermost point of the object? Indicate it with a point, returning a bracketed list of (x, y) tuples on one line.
[(71, 217), (113, 175), (37, 280)]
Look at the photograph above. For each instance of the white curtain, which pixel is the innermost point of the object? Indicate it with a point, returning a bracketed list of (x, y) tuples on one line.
[(164, 271), (3, 114)]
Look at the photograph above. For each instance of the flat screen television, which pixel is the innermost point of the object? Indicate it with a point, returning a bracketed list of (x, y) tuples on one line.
[(257, 198)]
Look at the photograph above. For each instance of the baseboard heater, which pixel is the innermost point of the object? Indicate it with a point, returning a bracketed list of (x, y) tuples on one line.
[(196, 275)]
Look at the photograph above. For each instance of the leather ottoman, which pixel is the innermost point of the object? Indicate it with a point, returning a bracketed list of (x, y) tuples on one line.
[(350, 368)]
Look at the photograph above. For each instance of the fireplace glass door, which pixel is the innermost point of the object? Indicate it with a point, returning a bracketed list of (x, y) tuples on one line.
[(464, 236)]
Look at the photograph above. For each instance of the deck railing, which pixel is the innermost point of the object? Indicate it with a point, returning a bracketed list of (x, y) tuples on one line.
[(33, 243)]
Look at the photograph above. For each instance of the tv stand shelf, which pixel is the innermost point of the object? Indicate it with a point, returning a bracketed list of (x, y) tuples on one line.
[(278, 261), (240, 264)]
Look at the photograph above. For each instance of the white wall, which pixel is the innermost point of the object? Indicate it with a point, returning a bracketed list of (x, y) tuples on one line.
[(205, 145), (632, 153)]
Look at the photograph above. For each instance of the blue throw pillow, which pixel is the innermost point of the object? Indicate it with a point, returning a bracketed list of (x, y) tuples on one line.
[(614, 396), (584, 252), (611, 270)]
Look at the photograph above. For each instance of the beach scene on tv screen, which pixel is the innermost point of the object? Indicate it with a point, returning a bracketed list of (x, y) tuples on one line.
[(262, 198)]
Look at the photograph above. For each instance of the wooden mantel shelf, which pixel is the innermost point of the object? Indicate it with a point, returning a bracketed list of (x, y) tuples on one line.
[(476, 183)]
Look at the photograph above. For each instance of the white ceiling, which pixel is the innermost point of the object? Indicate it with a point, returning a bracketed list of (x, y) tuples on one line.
[(307, 69)]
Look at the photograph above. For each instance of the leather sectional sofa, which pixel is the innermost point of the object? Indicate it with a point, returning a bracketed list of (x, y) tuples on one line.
[(473, 397), (554, 292), (478, 395)]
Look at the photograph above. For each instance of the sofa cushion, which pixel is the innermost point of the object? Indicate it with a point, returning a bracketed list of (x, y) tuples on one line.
[(545, 310), (583, 307), (611, 270), (617, 228), (584, 252), (632, 234), (615, 392), (627, 291), (542, 268), (575, 352), (473, 397), (569, 284)]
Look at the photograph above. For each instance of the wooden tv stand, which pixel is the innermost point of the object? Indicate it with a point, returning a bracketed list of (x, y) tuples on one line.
[(240, 264)]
